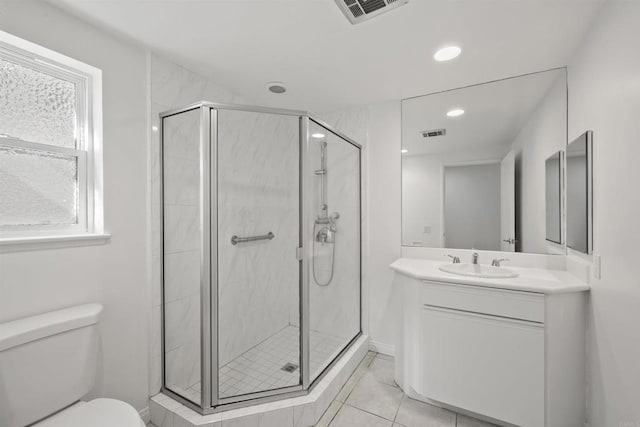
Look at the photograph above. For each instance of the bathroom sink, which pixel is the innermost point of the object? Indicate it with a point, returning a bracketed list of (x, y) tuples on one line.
[(479, 270)]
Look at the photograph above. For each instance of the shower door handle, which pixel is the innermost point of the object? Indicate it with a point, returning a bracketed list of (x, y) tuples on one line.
[(235, 239)]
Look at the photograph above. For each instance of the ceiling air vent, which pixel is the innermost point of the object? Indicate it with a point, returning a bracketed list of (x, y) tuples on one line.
[(357, 11), (433, 133)]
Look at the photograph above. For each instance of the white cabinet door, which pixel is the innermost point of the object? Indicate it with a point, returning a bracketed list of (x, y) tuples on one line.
[(489, 365)]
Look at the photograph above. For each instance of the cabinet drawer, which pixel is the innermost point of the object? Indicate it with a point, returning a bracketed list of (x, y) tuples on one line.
[(477, 299), (488, 365)]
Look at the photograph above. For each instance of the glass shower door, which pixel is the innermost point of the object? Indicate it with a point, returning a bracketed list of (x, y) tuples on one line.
[(334, 283), (182, 250), (258, 273)]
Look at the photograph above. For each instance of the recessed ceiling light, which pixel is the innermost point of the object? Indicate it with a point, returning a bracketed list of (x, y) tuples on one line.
[(154, 128), (276, 87), (455, 112), (404, 150), (318, 135), (447, 53)]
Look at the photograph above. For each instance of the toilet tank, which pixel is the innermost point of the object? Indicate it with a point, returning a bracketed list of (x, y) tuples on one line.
[(47, 362)]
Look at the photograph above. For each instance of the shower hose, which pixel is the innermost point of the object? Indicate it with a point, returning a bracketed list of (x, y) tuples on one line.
[(333, 257)]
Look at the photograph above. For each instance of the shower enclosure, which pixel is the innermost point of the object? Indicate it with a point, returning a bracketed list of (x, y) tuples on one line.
[(261, 269)]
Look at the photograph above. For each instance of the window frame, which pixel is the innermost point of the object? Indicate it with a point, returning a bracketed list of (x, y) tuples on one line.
[(88, 150)]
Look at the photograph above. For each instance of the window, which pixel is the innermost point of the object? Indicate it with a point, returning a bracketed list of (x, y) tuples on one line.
[(50, 122)]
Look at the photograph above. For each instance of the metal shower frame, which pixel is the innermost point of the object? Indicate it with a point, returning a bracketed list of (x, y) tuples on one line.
[(211, 402)]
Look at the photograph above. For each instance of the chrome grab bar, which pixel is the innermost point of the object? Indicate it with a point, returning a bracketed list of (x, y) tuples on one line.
[(235, 239)]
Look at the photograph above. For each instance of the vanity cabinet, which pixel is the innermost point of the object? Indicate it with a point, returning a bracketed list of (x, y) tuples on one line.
[(481, 361), (511, 356)]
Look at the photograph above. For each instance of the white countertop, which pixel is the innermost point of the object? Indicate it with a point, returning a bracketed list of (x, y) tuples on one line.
[(529, 279)]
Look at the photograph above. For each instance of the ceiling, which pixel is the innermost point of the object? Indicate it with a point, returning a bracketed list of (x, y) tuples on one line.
[(327, 63), (494, 114)]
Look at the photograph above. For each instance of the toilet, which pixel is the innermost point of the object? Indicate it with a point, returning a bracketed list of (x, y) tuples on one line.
[(48, 364)]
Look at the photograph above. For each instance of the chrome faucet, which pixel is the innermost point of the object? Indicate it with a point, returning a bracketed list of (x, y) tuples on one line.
[(474, 258), (456, 260), (496, 262)]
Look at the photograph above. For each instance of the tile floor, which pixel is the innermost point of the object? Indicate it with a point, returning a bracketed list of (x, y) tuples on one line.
[(371, 398)]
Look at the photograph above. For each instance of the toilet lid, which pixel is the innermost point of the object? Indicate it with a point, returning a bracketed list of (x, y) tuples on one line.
[(96, 413)]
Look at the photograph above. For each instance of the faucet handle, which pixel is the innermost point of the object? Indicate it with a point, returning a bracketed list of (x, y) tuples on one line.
[(456, 260), (496, 262)]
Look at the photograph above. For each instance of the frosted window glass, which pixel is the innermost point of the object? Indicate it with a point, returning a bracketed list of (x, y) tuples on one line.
[(37, 188), (37, 107)]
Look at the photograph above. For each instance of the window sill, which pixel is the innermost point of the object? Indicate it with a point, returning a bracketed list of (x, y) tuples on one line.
[(36, 243)]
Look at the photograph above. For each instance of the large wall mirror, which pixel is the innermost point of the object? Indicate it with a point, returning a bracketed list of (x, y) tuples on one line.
[(476, 164)]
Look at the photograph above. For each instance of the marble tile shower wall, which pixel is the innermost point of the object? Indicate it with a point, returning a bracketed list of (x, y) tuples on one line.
[(171, 86)]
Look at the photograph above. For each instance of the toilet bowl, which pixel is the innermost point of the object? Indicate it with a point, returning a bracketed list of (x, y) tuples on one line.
[(96, 413), (49, 363)]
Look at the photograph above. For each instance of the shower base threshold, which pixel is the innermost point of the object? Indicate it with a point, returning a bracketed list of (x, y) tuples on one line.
[(302, 411)]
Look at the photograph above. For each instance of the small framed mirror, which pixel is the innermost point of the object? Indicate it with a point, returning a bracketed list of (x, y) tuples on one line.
[(553, 197), (580, 193)]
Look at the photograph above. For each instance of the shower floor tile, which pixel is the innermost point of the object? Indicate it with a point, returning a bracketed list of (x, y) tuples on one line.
[(260, 367)]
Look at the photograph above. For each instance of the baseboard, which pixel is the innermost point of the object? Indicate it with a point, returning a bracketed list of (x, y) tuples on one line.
[(383, 348), (145, 415)]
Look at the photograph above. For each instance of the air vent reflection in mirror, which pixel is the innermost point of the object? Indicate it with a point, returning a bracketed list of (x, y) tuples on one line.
[(433, 133)]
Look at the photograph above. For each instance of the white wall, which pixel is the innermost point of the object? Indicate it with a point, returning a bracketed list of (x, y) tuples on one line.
[(383, 237), (114, 274), (604, 95), (544, 133), (421, 185)]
